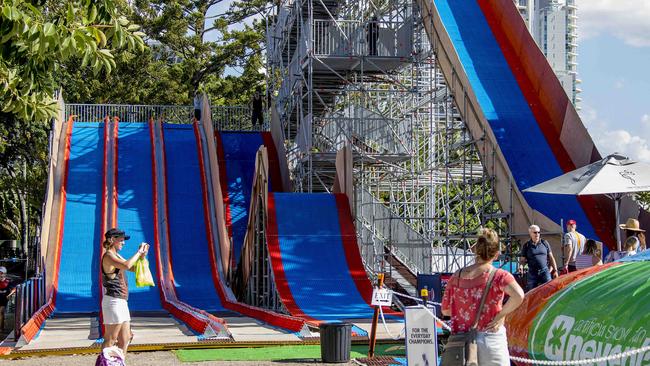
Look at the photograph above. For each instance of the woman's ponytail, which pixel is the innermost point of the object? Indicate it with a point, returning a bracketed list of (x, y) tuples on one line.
[(487, 245)]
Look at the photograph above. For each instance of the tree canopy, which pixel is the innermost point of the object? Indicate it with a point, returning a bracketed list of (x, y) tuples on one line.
[(37, 38)]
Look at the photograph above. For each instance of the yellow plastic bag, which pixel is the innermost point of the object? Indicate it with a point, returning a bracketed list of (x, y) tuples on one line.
[(143, 275)]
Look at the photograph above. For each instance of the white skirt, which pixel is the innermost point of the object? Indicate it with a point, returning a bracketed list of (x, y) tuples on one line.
[(493, 348), (115, 311)]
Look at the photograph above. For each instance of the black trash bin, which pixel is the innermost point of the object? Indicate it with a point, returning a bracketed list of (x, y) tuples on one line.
[(335, 342)]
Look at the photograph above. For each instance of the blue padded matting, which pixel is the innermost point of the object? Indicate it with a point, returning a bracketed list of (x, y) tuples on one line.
[(135, 206), (78, 289), (522, 142), (190, 254), (240, 149), (314, 259)]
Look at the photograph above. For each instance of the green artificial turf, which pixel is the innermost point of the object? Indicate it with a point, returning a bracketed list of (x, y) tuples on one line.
[(276, 353)]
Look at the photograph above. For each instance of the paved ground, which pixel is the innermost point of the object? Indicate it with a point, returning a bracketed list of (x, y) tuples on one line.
[(149, 359)]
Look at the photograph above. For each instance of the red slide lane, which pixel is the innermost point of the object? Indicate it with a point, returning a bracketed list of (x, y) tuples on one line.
[(279, 320), (223, 183), (182, 311), (274, 163), (351, 248), (102, 225), (546, 98), (281, 283)]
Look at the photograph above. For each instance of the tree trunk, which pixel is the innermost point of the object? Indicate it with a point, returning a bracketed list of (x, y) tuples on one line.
[(24, 221)]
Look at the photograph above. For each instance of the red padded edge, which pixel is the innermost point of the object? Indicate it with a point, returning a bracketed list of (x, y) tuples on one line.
[(34, 324), (273, 243), (272, 318), (223, 182), (352, 254), (274, 163), (174, 307), (102, 226), (351, 248), (546, 98)]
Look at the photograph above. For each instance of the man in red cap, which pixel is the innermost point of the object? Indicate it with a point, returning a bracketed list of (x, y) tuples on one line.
[(573, 244)]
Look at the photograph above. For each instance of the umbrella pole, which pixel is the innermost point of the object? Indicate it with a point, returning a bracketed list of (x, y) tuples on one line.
[(617, 203)]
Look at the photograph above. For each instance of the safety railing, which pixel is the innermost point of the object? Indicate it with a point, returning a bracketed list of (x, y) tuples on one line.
[(224, 118), (235, 118), (30, 296), (356, 38), (130, 113)]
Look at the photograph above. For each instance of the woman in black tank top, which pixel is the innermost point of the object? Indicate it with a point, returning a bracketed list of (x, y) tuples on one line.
[(116, 292)]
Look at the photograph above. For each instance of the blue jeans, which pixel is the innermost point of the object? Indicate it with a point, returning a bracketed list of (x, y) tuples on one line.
[(537, 278)]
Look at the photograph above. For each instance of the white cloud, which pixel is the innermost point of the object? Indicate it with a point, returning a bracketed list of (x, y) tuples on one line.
[(625, 19), (609, 140)]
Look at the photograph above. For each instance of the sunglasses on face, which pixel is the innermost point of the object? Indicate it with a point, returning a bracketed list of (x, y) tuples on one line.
[(535, 232)]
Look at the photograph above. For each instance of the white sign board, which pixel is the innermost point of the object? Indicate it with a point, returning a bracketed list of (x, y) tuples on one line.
[(382, 297), (421, 336)]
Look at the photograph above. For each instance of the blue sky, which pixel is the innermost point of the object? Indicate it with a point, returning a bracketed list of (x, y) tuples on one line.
[(614, 66)]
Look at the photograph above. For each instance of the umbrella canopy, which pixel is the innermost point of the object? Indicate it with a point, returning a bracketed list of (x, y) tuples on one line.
[(613, 176)]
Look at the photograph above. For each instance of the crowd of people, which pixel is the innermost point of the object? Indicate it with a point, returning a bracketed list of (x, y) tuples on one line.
[(474, 297)]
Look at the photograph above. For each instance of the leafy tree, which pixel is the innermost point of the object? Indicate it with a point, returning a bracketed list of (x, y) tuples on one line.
[(36, 38), (207, 45), (138, 78)]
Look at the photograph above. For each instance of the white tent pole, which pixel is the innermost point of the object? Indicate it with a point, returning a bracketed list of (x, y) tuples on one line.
[(617, 203)]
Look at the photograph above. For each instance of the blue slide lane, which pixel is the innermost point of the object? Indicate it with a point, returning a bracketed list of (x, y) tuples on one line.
[(240, 149), (522, 142), (190, 255), (135, 205), (78, 289), (313, 258)]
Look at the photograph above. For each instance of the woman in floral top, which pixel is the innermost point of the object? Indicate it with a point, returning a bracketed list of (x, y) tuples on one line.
[(463, 297)]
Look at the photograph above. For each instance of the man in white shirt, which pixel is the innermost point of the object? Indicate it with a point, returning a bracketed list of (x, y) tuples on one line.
[(572, 245)]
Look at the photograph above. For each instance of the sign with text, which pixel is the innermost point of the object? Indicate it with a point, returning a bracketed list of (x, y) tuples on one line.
[(421, 339), (382, 297)]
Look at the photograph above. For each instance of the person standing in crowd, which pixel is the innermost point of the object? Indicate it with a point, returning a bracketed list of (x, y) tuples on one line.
[(6, 290), (257, 116), (632, 228), (537, 253), (115, 307), (572, 245), (463, 294), (591, 256), (629, 248)]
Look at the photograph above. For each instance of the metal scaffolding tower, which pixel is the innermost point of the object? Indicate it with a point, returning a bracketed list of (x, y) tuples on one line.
[(363, 74)]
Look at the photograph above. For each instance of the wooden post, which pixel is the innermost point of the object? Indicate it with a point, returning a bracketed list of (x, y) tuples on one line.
[(375, 320)]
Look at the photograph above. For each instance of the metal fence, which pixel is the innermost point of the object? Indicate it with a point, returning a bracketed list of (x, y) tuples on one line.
[(224, 118), (356, 38), (30, 296), (130, 113)]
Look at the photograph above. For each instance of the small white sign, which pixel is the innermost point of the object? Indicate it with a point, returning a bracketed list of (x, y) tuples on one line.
[(421, 336), (382, 297)]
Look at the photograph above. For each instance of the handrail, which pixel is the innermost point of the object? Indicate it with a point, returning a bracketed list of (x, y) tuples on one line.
[(259, 192), (29, 298)]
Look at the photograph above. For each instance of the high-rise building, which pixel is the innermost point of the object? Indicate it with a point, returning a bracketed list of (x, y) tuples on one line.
[(553, 24)]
